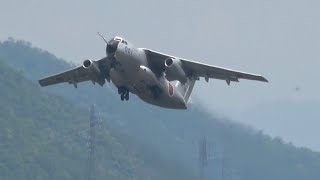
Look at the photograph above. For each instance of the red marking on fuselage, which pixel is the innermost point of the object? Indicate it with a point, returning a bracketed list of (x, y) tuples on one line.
[(170, 89)]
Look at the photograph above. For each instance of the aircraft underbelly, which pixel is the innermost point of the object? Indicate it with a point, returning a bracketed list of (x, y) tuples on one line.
[(135, 75), (154, 94), (159, 96)]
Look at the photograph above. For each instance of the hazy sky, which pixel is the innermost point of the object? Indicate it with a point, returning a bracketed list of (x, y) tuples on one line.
[(277, 38)]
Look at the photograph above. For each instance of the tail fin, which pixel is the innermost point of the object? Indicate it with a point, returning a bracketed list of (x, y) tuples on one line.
[(186, 88)]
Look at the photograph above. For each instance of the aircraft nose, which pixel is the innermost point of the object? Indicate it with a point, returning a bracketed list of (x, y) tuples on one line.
[(112, 47)]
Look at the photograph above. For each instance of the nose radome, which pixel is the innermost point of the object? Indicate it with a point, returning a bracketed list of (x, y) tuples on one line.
[(112, 47)]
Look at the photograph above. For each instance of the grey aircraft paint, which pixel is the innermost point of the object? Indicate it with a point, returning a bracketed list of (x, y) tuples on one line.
[(156, 78)]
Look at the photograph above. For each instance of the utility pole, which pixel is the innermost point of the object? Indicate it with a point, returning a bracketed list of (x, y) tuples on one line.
[(226, 168), (203, 157), (222, 167), (91, 166)]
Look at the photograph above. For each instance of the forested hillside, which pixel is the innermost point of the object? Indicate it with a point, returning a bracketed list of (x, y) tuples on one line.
[(236, 151), (43, 136)]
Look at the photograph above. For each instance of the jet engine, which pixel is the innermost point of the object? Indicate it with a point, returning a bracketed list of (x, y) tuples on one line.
[(174, 70), (91, 66)]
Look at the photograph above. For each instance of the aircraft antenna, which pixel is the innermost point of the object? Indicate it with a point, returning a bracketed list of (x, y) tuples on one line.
[(104, 39)]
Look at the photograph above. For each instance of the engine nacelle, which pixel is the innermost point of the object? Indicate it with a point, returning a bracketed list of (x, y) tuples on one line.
[(174, 70), (91, 66), (93, 69)]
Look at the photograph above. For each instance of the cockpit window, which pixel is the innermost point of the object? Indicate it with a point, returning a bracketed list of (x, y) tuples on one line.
[(124, 42), (117, 39)]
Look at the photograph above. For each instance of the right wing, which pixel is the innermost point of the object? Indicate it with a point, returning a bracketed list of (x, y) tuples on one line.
[(210, 71), (197, 69), (81, 74)]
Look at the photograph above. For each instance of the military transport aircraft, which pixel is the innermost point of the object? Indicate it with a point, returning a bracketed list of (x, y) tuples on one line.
[(157, 78)]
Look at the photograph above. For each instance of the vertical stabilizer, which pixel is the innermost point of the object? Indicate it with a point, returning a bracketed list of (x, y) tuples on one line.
[(186, 88)]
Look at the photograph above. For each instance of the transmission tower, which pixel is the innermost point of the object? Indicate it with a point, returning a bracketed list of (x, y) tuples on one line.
[(223, 170), (203, 157), (91, 165), (226, 169)]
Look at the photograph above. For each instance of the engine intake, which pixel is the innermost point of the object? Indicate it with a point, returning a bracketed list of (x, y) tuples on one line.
[(94, 71), (87, 63), (174, 70), (91, 66)]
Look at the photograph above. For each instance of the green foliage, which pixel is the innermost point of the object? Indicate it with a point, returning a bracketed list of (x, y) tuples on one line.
[(44, 137), (137, 143)]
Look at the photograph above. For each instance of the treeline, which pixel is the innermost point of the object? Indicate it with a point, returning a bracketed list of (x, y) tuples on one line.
[(161, 138), (44, 136)]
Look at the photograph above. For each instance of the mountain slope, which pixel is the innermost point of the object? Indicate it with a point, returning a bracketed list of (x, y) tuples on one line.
[(248, 154), (303, 115), (44, 137)]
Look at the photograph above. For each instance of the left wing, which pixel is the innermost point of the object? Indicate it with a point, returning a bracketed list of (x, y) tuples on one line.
[(81, 74), (197, 69)]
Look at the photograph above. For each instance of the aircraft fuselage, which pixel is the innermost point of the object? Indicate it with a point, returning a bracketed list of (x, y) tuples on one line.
[(131, 72)]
